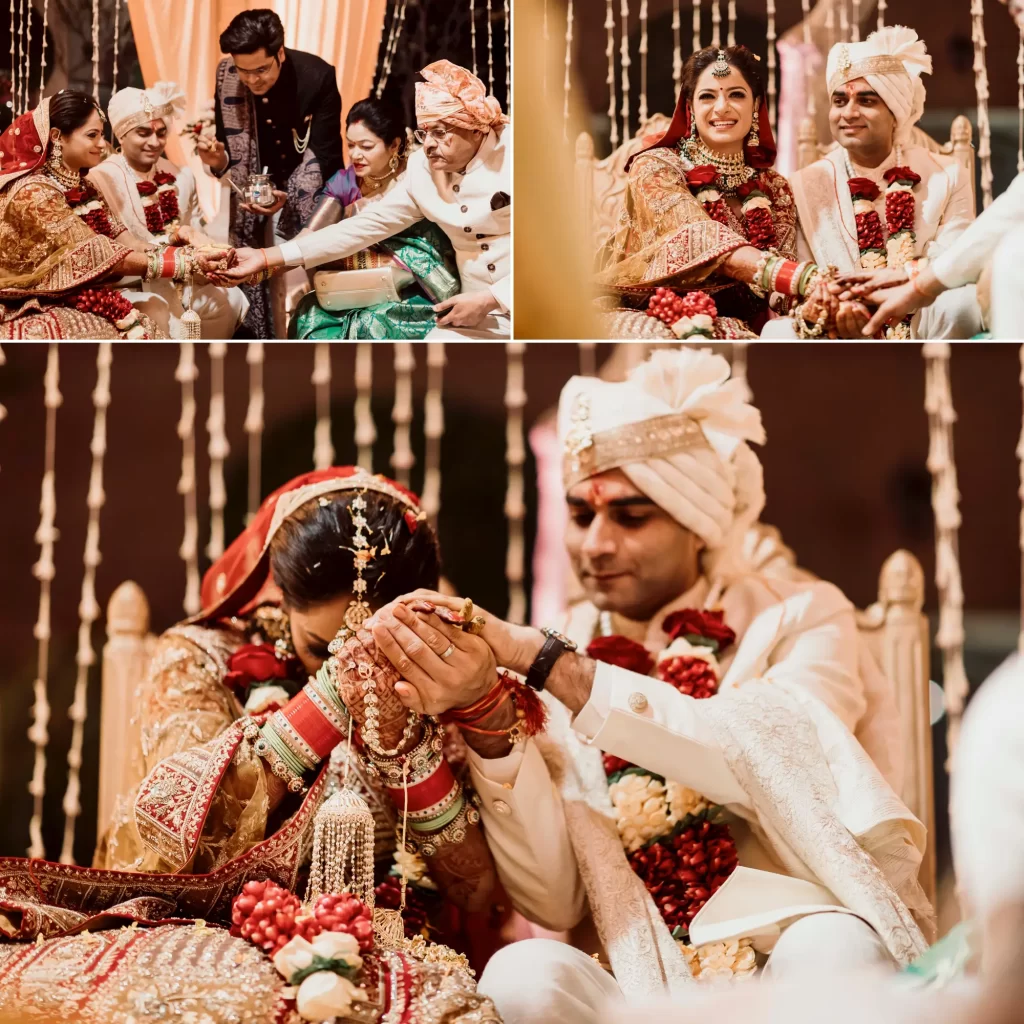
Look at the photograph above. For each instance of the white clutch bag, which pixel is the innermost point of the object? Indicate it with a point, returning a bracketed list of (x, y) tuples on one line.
[(356, 289)]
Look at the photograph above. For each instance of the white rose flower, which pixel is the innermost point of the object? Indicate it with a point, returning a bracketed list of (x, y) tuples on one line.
[(682, 327), (682, 648), (703, 321), (338, 946), (863, 206), (757, 203), (138, 331), (130, 320), (708, 195), (683, 801), (94, 205), (897, 187), (325, 994), (641, 809), (295, 955), (261, 697), (721, 961)]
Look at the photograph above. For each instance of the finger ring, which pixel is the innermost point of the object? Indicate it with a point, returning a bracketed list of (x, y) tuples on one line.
[(448, 653)]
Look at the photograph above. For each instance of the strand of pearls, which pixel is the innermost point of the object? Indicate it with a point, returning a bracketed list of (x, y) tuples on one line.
[(515, 457), (218, 450), (366, 432), (323, 448), (186, 374), (88, 607), (401, 414), (433, 429)]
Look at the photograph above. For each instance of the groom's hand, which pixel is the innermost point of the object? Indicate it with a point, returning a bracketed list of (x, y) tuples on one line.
[(468, 309), (440, 665)]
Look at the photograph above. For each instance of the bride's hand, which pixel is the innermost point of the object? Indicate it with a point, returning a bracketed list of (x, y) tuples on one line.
[(441, 666), (358, 662)]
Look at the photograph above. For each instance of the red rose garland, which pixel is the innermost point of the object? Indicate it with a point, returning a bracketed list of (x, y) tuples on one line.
[(683, 868), (870, 241), (160, 202), (154, 215), (688, 315), (757, 215), (900, 209), (87, 203), (168, 195), (703, 181)]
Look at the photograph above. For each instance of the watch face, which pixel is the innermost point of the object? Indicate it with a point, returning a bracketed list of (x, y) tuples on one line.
[(568, 644)]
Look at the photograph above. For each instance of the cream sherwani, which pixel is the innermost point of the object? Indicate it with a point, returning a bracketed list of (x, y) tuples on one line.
[(944, 209), (818, 827), (220, 309), (472, 208)]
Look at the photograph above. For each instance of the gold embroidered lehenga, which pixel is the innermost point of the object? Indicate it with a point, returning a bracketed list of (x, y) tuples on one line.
[(666, 237), (48, 253), (198, 824)]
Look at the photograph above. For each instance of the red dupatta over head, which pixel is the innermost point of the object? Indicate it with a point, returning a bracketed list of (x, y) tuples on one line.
[(25, 143), (761, 156), (240, 579)]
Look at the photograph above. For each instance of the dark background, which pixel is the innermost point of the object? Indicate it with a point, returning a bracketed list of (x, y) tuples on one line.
[(844, 471)]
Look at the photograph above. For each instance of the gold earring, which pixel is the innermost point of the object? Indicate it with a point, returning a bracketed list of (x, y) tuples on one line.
[(393, 162)]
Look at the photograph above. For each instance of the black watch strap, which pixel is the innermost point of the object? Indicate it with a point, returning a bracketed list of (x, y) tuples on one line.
[(555, 645)]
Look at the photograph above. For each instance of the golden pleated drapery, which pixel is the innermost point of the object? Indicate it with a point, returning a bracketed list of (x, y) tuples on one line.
[(177, 41)]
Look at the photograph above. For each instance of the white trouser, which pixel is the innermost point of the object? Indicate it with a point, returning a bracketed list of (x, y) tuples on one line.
[(1008, 287), (541, 981)]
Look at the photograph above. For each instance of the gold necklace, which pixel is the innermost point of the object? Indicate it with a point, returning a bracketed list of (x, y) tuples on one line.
[(732, 168), (64, 177)]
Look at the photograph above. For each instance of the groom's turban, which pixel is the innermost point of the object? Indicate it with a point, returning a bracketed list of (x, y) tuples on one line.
[(451, 94), (892, 61), (131, 107), (678, 427)]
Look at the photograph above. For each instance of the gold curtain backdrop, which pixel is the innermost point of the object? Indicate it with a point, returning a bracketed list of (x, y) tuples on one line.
[(177, 41)]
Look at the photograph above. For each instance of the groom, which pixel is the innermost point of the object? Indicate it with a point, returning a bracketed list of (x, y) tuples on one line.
[(797, 744), (876, 98)]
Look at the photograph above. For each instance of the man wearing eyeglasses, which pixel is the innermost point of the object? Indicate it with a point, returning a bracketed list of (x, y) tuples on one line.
[(460, 179), (276, 108)]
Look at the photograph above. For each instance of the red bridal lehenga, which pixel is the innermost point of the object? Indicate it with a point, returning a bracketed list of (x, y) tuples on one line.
[(675, 230), (142, 935), (52, 261)]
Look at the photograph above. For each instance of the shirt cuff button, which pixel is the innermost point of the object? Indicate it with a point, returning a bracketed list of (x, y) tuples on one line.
[(500, 807), (637, 702)]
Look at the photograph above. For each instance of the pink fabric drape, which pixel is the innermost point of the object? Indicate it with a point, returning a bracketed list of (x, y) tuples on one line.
[(177, 41), (551, 570), (794, 61)]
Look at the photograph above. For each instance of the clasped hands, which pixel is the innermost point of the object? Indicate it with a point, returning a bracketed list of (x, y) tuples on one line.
[(421, 655), (889, 292)]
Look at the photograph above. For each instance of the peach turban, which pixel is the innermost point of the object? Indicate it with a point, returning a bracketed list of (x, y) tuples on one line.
[(453, 95)]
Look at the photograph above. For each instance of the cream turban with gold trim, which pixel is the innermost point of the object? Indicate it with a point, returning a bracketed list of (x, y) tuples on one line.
[(678, 427), (129, 108), (892, 61)]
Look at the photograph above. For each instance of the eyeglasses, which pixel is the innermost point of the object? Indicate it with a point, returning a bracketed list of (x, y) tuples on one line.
[(255, 72), (437, 134)]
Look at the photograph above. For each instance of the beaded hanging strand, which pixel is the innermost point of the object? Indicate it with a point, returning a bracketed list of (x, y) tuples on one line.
[(945, 505), (810, 103), (981, 88), (472, 33), (490, 52), (772, 63), (696, 25), (186, 374), (716, 22), (397, 26), (677, 48), (14, 66), (401, 414), (44, 571), (855, 22), (730, 39), (96, 51), (254, 425), (46, 25), (609, 52), (515, 457), (366, 432), (1020, 103), (28, 55), (882, 5), (624, 63), (117, 43), (643, 62), (433, 429), (323, 448), (88, 607), (508, 57), (567, 81), (218, 450)]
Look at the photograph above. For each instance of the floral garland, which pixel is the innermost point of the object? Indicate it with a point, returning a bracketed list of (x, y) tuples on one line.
[(898, 249), (691, 315), (87, 203), (111, 305), (673, 837), (263, 677), (160, 203), (203, 127), (758, 220)]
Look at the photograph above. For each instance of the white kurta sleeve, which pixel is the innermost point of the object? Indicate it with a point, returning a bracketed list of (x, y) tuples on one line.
[(653, 725), (956, 218), (963, 262), (396, 211), (526, 831), (502, 292)]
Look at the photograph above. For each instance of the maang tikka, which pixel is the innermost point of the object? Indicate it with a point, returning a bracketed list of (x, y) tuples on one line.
[(358, 611), (721, 69)]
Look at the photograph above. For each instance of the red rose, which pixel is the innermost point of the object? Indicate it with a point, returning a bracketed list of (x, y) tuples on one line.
[(691, 676), (163, 178), (147, 188), (706, 624), (255, 663), (864, 188), (706, 174), (904, 175), (613, 764), (74, 196), (621, 651), (747, 187)]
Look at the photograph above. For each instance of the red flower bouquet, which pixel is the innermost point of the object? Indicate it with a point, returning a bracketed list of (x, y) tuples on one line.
[(695, 625), (705, 174), (256, 663)]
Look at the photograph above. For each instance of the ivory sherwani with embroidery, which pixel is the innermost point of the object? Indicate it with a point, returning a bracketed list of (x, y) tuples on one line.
[(800, 745), (944, 209)]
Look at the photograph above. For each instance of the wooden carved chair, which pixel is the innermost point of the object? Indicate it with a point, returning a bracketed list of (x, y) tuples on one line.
[(960, 145), (893, 626)]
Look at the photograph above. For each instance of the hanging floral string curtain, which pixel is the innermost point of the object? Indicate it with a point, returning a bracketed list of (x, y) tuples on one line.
[(178, 40)]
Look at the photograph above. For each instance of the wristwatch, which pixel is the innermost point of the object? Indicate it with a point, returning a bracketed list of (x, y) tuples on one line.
[(555, 645)]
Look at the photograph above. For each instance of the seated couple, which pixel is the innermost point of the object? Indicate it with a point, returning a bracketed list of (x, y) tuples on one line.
[(710, 795), (437, 220), (705, 211), (78, 262)]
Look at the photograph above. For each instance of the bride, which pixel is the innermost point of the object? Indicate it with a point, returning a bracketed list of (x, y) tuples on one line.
[(704, 210)]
